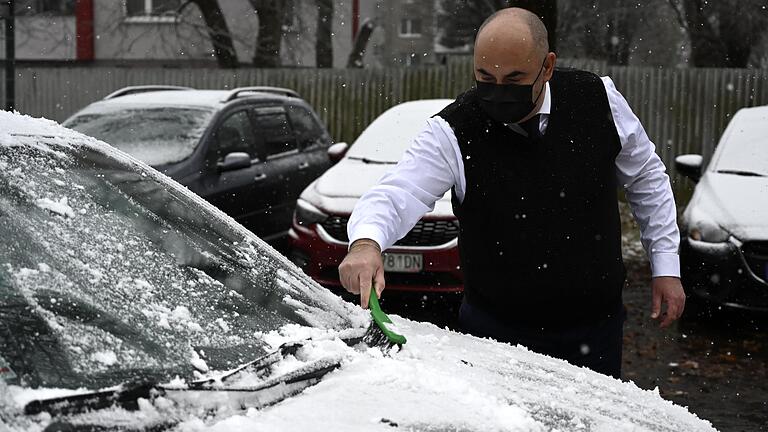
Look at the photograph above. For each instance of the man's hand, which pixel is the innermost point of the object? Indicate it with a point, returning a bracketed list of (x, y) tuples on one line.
[(361, 266), (668, 290)]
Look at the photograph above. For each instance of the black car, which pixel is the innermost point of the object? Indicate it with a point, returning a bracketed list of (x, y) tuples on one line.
[(249, 151), (724, 245)]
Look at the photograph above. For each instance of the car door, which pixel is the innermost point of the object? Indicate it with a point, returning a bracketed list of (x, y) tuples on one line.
[(313, 140), (242, 193), (283, 160)]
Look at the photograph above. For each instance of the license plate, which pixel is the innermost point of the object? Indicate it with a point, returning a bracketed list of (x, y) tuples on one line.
[(403, 263)]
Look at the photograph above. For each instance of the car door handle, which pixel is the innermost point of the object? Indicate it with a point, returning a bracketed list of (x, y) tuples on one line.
[(303, 165), (260, 177)]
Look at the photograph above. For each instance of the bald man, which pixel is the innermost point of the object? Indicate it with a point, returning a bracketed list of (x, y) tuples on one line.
[(534, 156)]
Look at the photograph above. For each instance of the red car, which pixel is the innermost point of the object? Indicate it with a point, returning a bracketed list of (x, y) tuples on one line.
[(426, 259)]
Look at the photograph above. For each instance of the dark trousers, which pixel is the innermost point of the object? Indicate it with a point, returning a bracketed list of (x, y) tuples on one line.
[(597, 346)]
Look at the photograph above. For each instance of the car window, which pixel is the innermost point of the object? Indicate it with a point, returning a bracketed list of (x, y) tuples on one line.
[(390, 135), (305, 124), (743, 148), (156, 136), (273, 127), (236, 134), (109, 271)]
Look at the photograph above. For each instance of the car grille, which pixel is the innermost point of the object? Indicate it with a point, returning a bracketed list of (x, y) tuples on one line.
[(756, 254), (424, 233)]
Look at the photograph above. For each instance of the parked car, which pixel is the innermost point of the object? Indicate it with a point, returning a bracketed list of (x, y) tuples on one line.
[(724, 247), (249, 151), (130, 303), (426, 259)]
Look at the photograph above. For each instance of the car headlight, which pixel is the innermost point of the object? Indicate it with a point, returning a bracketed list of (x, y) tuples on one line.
[(306, 214), (707, 231)]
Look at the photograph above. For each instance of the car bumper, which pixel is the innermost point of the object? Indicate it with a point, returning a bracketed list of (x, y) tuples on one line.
[(319, 256), (728, 274)]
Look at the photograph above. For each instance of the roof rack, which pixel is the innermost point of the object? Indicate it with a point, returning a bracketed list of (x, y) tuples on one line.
[(262, 89), (143, 88)]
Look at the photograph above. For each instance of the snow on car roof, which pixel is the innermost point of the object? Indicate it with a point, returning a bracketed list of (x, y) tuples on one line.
[(387, 138)]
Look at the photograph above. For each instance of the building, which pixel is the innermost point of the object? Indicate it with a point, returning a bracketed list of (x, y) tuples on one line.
[(172, 33), (163, 33)]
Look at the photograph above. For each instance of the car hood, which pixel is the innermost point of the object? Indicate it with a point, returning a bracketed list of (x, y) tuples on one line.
[(439, 380), (739, 204), (339, 188)]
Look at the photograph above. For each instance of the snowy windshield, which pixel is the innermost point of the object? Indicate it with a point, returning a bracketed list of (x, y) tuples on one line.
[(157, 136), (108, 272), (746, 148), (387, 138)]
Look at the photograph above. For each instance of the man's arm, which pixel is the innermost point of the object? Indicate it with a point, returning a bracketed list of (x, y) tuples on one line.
[(385, 214), (643, 175)]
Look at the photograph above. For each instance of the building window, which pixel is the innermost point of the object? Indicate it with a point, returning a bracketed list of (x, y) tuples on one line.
[(51, 7), (155, 10), (410, 27)]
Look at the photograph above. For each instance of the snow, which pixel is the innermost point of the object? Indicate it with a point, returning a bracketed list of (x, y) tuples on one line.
[(387, 137), (157, 135), (739, 204), (443, 380), (107, 358), (334, 192), (60, 207), (742, 146)]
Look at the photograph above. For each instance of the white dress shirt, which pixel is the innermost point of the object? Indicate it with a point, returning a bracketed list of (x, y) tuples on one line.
[(433, 165)]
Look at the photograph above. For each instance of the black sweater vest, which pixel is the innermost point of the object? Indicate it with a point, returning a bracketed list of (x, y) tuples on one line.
[(540, 235)]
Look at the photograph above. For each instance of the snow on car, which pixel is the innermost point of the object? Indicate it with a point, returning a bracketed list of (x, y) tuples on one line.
[(129, 302)]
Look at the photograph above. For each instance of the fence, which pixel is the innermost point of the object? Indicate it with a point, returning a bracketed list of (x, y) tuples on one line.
[(683, 110)]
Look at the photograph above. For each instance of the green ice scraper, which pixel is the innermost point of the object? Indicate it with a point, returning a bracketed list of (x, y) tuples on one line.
[(382, 320)]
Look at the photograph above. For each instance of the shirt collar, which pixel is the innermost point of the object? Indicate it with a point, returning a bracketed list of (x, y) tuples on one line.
[(546, 106)]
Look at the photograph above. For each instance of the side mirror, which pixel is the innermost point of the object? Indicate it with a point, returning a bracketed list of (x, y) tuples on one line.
[(689, 165), (337, 151), (234, 161)]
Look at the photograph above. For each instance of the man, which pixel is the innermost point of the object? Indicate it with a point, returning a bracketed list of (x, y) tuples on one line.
[(533, 156)]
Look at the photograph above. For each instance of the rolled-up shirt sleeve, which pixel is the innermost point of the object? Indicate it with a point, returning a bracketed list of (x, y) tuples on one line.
[(427, 170), (647, 186)]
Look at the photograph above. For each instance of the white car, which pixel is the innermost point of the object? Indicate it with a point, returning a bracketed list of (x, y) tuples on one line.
[(724, 247), (129, 303), (426, 260)]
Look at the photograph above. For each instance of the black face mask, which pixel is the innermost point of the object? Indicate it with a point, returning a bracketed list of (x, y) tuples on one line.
[(508, 103)]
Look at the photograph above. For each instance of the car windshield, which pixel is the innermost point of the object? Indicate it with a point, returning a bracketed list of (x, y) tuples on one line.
[(387, 138), (110, 272), (746, 148), (154, 135)]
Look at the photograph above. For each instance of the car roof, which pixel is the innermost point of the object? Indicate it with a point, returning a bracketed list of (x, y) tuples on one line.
[(188, 98)]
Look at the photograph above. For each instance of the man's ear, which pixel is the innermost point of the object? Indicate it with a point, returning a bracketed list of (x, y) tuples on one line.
[(549, 65)]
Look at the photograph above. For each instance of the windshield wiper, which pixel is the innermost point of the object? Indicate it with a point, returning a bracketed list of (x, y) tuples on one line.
[(371, 161), (741, 173), (126, 395)]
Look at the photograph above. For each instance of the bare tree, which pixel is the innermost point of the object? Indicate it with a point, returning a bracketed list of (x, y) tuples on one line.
[(602, 29), (723, 32), (355, 59), (459, 20), (323, 40), (218, 31), (270, 34)]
